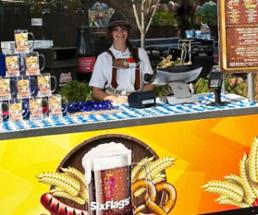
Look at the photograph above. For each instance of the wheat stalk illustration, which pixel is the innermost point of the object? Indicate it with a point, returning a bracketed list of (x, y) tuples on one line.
[(70, 184), (253, 161), (77, 175), (151, 170), (239, 190), (139, 166)]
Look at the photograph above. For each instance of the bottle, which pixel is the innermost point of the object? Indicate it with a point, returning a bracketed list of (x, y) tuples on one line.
[(85, 53)]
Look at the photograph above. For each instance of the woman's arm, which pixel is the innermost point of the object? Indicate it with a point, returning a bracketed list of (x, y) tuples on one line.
[(98, 79), (147, 69), (99, 94), (148, 87)]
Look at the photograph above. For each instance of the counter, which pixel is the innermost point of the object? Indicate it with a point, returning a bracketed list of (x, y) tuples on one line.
[(205, 143), (123, 116)]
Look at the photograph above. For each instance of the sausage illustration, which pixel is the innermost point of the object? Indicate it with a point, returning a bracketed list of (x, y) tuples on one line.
[(56, 207)]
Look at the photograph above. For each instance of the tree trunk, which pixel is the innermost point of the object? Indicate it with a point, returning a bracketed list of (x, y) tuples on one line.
[(140, 18), (142, 24), (256, 85), (142, 39)]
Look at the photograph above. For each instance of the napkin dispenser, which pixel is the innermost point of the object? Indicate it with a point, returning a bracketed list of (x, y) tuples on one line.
[(142, 99)]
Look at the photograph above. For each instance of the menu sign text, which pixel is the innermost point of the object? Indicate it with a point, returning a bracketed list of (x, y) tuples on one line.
[(238, 35)]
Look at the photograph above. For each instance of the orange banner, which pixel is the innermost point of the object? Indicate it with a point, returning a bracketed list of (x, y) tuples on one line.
[(210, 164)]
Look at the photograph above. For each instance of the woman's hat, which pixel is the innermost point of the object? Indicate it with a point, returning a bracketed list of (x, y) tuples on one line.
[(118, 19)]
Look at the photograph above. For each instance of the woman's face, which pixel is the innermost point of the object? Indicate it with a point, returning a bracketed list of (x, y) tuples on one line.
[(119, 35)]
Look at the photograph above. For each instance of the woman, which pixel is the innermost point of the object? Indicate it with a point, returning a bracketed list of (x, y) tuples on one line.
[(120, 70)]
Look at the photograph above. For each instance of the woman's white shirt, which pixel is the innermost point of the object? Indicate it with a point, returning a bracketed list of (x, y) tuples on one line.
[(102, 72)]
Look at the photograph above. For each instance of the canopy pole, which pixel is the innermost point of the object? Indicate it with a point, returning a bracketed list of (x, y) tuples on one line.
[(250, 87)]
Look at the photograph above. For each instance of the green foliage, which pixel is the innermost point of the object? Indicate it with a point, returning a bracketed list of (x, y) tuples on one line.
[(76, 91), (162, 91), (236, 84), (209, 18), (201, 86), (164, 18), (233, 84), (207, 13)]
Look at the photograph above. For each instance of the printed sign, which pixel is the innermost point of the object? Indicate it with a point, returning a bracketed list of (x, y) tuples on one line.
[(239, 35), (99, 14)]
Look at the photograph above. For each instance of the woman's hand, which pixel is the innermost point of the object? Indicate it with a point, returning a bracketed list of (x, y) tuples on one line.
[(100, 95)]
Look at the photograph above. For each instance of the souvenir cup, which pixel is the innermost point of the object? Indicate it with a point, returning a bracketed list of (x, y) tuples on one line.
[(55, 106), (35, 108), (15, 110), (108, 171), (22, 41), (3, 111), (4, 106), (44, 85), (189, 34), (45, 106), (33, 63), (5, 89), (12, 65), (198, 34), (26, 87), (18, 109)]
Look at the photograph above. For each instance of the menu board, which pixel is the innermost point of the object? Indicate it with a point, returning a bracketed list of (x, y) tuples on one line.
[(238, 35)]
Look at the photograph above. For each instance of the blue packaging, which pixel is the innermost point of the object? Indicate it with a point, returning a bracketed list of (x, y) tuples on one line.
[(2, 65)]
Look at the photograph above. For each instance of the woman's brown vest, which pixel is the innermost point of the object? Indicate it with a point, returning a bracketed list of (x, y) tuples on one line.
[(137, 70)]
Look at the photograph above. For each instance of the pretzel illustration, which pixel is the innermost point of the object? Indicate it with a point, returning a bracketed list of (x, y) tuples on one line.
[(170, 190), (121, 63), (150, 197), (150, 192)]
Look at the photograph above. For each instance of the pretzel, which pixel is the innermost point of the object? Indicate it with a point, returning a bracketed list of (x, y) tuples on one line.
[(150, 192), (154, 208), (171, 191), (150, 200), (121, 63)]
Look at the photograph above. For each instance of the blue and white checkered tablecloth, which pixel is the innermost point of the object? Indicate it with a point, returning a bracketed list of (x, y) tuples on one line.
[(124, 112)]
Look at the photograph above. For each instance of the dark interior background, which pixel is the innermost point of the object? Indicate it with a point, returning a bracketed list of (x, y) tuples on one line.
[(60, 24)]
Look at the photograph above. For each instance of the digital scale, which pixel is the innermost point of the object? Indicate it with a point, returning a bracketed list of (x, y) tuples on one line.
[(179, 83)]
